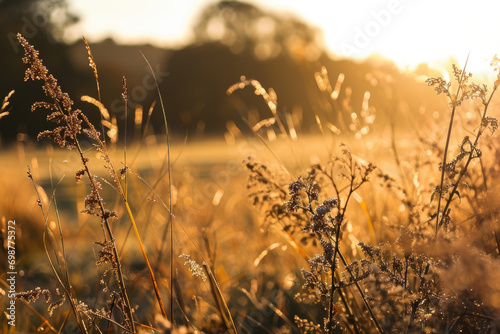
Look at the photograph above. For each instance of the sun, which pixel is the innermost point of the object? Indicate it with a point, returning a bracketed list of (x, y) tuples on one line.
[(408, 32)]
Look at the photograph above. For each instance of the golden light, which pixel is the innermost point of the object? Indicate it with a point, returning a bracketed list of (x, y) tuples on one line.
[(410, 32), (407, 32)]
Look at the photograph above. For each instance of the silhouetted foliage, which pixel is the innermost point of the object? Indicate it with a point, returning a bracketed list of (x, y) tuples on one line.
[(234, 39), (245, 28), (43, 23)]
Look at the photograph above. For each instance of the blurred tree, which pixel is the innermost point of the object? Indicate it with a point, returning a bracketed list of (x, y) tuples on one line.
[(32, 17), (234, 39), (244, 27), (40, 21), (43, 23)]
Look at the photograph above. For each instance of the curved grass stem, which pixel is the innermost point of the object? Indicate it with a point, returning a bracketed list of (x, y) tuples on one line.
[(150, 269)]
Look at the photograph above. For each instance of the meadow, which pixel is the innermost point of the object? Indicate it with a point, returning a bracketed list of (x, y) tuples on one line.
[(270, 229)]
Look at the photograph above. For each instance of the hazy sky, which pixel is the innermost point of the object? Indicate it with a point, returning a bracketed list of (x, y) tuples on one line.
[(407, 31)]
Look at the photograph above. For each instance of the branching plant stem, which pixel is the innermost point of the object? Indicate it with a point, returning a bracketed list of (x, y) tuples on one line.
[(454, 99)]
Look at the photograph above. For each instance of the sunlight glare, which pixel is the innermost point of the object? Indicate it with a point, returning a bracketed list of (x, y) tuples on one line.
[(404, 31)]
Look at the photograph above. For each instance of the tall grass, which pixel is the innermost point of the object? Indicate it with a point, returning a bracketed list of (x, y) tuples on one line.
[(404, 281), (71, 125), (397, 245)]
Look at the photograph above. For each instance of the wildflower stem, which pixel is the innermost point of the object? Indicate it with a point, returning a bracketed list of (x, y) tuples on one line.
[(169, 165), (66, 135), (348, 308), (93, 65), (150, 269), (443, 168), (469, 159), (66, 285), (454, 99), (211, 275), (333, 265), (125, 98), (372, 315), (124, 193), (119, 274)]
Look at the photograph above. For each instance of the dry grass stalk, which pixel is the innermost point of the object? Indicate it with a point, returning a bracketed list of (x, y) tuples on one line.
[(5, 103), (71, 123)]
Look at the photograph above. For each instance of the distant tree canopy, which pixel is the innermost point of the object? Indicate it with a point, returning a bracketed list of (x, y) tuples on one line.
[(234, 39), (42, 22), (245, 28)]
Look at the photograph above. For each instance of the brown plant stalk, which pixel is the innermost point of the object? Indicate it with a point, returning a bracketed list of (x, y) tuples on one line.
[(454, 99), (71, 123)]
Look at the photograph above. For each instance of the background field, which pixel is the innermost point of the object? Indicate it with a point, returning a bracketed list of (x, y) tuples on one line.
[(307, 192)]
